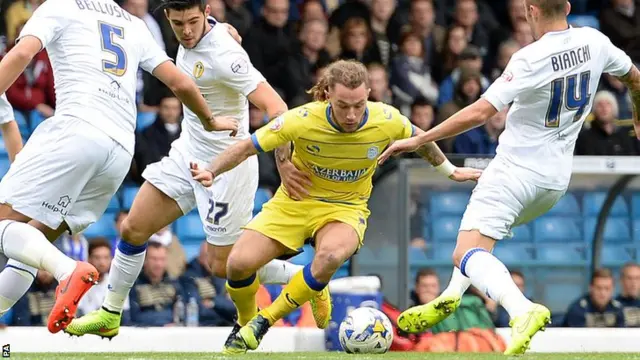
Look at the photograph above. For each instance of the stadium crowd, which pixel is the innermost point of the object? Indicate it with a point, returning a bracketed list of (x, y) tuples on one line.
[(429, 58)]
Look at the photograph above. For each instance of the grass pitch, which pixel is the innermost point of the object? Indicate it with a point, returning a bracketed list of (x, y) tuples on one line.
[(319, 356)]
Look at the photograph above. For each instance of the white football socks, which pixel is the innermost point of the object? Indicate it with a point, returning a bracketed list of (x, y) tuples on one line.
[(458, 283), (277, 272), (125, 268), (26, 244), (489, 275), (15, 280)]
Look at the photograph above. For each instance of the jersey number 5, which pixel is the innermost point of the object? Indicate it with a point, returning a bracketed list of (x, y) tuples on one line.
[(574, 96), (107, 34)]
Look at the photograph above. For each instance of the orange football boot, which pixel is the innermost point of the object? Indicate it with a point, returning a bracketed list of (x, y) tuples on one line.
[(68, 295)]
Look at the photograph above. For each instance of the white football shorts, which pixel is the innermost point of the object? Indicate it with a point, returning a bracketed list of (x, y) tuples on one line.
[(503, 199), (68, 171), (224, 208)]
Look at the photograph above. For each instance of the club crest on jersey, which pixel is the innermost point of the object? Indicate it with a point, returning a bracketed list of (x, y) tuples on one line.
[(240, 66), (198, 70), (277, 124), (507, 76), (372, 153)]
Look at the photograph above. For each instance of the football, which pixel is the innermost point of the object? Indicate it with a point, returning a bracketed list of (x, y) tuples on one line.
[(366, 331)]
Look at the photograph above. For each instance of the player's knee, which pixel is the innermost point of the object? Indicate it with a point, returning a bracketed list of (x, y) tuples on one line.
[(457, 256), (132, 233), (238, 268)]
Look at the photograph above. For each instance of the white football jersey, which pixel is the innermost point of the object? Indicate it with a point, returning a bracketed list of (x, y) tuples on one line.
[(552, 84), (95, 48), (222, 70), (6, 111)]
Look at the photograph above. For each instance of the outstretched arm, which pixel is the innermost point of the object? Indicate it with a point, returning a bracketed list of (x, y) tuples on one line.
[(228, 159), (14, 63), (632, 81)]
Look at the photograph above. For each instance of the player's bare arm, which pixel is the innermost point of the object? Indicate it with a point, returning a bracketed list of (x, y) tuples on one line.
[(189, 94), (468, 118), (228, 159), (632, 81), (14, 63), (12, 138)]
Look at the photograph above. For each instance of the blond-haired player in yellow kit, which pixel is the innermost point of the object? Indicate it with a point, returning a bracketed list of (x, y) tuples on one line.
[(337, 141)]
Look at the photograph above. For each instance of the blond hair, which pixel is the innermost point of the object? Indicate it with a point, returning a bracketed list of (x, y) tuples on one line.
[(349, 73)]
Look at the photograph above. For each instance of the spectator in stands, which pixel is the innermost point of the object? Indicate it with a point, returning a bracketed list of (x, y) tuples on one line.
[(275, 61), (522, 34), (422, 113), (617, 88), (500, 315), (469, 59), (356, 41), (629, 298), (312, 10), (410, 75), (176, 256), (466, 15), (505, 52), (597, 308), (379, 83), (515, 15), (422, 21), (17, 14), (382, 24), (468, 91), (455, 42), (33, 90), (238, 16), (269, 177), (33, 309), (154, 142), (154, 294), (311, 53), (620, 21), (427, 287), (74, 246), (100, 256), (218, 10), (482, 140), (604, 137), (140, 9), (216, 309)]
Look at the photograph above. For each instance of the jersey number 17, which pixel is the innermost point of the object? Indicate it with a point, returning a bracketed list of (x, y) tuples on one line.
[(566, 91)]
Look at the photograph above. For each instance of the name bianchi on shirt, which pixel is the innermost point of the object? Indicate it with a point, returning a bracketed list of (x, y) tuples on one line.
[(339, 175)]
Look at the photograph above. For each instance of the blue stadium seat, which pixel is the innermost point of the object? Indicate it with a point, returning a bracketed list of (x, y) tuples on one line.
[(4, 166), (513, 253), (616, 230), (35, 118), (521, 233), (635, 205), (191, 250), (448, 203), (144, 120), (567, 254), (262, 196), (189, 229), (556, 229), (128, 194), (105, 226), (417, 257), (566, 206), (446, 229), (636, 231), (366, 256), (23, 124), (584, 20), (444, 251), (114, 204), (615, 255), (304, 257), (343, 271), (593, 201), (558, 296)]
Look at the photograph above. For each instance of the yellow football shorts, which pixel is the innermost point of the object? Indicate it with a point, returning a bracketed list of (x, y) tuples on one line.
[(291, 222)]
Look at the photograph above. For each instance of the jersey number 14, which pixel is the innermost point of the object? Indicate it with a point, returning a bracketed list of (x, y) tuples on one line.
[(566, 91)]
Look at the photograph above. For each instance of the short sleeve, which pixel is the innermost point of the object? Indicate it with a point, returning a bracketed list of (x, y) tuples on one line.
[(47, 22), (286, 127), (152, 54), (235, 70), (516, 78), (617, 62), (401, 127), (6, 111)]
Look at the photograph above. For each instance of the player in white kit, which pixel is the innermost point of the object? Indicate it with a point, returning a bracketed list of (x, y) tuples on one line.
[(551, 85), (75, 161), (9, 127), (223, 71)]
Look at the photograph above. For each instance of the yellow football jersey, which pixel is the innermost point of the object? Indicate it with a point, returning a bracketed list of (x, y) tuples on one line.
[(341, 164)]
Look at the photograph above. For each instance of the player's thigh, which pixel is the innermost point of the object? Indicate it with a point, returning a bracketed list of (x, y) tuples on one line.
[(544, 200), (252, 251), (171, 176), (47, 177), (227, 206)]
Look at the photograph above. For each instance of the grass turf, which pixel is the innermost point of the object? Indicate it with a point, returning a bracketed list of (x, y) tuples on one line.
[(318, 356)]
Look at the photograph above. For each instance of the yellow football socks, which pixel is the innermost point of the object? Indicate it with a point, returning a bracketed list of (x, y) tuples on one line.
[(243, 295), (302, 287)]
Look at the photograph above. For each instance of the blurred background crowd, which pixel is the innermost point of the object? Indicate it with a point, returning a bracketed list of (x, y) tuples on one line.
[(429, 58)]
